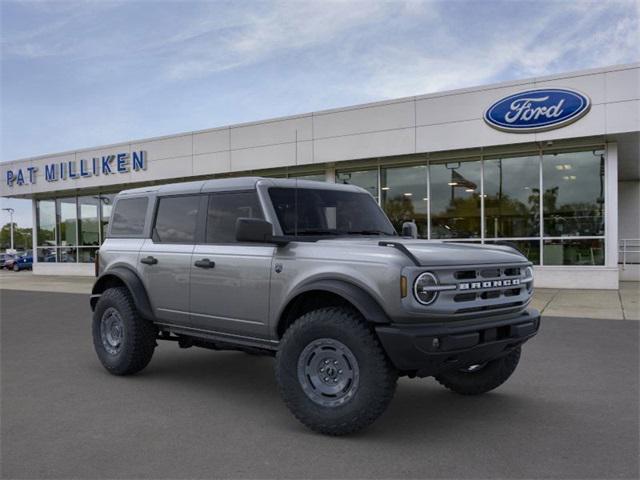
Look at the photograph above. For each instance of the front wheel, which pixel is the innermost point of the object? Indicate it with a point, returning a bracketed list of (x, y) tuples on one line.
[(16, 268), (482, 378), (124, 341), (332, 373)]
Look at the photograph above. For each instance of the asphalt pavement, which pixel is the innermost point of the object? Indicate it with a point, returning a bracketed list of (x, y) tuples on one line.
[(569, 411)]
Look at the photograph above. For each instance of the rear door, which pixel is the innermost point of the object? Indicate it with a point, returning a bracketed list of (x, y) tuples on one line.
[(165, 258), (230, 280)]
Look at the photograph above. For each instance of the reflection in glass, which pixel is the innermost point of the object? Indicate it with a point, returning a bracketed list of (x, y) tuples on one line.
[(47, 255), (529, 248), (455, 200), (574, 252), (573, 198), (67, 254), (87, 254), (67, 221), (367, 179), (404, 196), (512, 197), (88, 225), (46, 219)]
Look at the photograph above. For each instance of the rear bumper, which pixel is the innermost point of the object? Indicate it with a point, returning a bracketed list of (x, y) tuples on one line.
[(427, 350)]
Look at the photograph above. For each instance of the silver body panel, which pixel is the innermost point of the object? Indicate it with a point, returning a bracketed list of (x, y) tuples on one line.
[(245, 294)]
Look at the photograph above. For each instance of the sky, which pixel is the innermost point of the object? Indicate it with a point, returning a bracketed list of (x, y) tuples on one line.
[(86, 73)]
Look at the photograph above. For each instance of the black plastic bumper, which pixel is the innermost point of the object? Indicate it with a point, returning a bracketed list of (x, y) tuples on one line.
[(427, 349)]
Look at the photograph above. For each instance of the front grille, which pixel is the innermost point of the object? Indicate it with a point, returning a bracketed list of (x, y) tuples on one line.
[(486, 288)]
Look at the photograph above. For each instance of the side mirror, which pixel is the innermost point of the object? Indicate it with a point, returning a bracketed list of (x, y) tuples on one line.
[(256, 230)]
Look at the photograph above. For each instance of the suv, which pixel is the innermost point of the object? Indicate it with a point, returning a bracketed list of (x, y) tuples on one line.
[(314, 274)]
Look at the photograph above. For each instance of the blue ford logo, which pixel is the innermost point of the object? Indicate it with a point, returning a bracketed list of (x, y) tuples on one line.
[(537, 110)]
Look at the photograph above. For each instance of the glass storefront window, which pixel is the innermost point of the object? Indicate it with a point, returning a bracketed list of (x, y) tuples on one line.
[(574, 252), (367, 179), (573, 198), (316, 177), (67, 221), (455, 199), (46, 222), (47, 255), (88, 223), (512, 197), (87, 254), (405, 198), (529, 248)]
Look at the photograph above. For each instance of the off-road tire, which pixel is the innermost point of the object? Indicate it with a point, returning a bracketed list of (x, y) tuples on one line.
[(138, 339), (487, 378), (377, 377)]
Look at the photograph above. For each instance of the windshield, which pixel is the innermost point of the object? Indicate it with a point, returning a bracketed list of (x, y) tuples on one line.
[(309, 212)]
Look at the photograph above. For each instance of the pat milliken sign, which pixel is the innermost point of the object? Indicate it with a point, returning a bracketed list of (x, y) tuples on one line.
[(117, 163), (537, 110)]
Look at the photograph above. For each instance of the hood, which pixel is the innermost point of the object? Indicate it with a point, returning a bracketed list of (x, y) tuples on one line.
[(434, 253)]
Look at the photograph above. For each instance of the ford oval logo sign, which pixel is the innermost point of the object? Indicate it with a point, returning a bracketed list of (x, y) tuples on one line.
[(537, 110)]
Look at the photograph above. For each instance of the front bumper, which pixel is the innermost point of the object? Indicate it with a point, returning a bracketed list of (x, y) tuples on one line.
[(426, 350)]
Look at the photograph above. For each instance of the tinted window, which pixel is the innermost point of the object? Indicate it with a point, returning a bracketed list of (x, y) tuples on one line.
[(128, 217), (305, 211), (176, 219), (225, 209)]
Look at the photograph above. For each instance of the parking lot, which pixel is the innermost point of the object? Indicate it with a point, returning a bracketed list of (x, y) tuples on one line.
[(569, 411)]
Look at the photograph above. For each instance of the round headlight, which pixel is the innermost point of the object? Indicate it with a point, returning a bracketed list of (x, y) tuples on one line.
[(424, 288)]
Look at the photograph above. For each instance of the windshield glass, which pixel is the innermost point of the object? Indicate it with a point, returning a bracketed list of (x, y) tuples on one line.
[(307, 211)]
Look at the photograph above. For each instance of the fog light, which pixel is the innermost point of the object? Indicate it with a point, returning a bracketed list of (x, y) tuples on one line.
[(435, 343)]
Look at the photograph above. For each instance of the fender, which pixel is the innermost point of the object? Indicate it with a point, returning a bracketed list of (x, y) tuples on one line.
[(362, 300), (132, 281)]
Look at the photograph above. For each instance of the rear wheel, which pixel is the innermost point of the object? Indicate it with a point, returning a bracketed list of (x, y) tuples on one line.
[(332, 372), (124, 341), (481, 378)]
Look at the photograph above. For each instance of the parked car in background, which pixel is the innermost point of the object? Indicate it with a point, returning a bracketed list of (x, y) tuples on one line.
[(6, 261), (23, 262)]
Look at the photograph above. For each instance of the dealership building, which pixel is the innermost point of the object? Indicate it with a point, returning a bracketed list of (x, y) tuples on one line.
[(550, 165)]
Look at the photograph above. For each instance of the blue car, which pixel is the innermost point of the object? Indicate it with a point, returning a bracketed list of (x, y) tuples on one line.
[(23, 262)]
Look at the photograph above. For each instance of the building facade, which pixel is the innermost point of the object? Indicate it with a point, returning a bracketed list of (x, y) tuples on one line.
[(551, 165)]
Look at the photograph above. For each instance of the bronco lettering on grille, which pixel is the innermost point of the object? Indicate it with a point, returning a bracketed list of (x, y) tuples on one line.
[(488, 284)]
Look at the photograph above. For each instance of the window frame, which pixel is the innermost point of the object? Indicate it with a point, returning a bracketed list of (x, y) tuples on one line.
[(197, 234), (205, 213), (143, 234)]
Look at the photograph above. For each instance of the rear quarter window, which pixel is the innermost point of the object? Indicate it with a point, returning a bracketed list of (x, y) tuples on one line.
[(128, 217)]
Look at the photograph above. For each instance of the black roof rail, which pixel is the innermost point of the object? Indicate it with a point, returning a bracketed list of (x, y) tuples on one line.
[(402, 248)]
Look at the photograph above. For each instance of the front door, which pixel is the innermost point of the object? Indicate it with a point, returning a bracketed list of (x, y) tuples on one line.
[(165, 259), (230, 280)]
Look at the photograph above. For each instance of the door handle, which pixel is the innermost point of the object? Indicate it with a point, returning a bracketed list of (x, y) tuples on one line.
[(149, 260), (205, 263)]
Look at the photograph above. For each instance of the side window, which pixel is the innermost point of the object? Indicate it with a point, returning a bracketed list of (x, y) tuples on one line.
[(128, 216), (176, 219), (225, 209)]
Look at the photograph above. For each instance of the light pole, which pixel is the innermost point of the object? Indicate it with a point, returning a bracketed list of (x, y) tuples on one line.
[(11, 211)]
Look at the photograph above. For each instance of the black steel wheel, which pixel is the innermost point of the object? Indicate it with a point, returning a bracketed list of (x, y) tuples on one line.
[(123, 341), (332, 372)]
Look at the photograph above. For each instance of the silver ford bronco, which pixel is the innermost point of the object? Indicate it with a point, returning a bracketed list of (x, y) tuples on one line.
[(314, 274)]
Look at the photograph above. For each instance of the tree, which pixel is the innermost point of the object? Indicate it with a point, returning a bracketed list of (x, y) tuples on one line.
[(22, 237)]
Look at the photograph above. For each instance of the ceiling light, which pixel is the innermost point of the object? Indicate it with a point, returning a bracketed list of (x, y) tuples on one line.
[(559, 167), (566, 177), (386, 188), (567, 166), (425, 198), (469, 190), (408, 194), (452, 184)]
